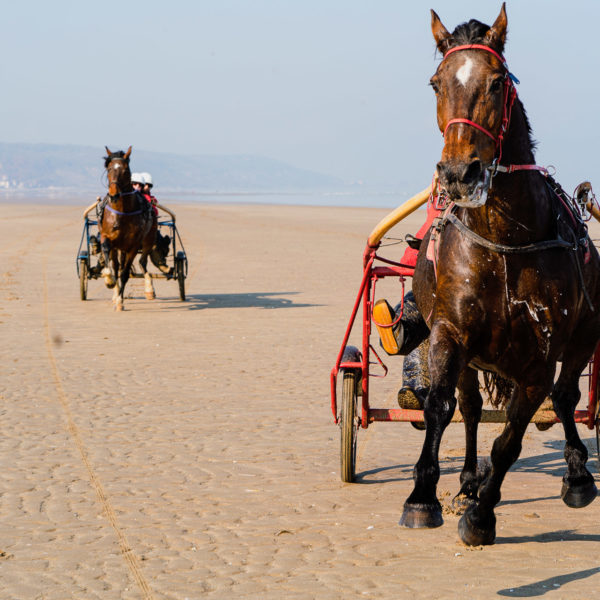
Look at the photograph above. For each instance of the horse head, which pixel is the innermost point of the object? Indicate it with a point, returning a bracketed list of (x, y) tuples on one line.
[(117, 171), (475, 92)]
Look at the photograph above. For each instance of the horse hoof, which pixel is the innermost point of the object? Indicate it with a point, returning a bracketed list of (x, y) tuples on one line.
[(578, 496), (109, 280), (474, 536), (150, 296), (419, 516), (461, 502)]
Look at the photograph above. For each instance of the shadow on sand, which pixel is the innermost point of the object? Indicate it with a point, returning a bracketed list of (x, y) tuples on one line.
[(266, 300), (552, 584), (551, 463)]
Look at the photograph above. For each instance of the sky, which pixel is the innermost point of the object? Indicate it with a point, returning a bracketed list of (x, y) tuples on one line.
[(334, 86)]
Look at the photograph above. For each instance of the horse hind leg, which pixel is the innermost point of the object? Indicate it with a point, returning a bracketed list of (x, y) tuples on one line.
[(578, 487), (477, 526), (470, 404), (108, 273)]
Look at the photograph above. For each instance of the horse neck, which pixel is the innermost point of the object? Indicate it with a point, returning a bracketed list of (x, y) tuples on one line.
[(125, 200), (518, 209)]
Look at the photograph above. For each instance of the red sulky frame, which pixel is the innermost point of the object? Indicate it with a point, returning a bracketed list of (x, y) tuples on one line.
[(350, 358)]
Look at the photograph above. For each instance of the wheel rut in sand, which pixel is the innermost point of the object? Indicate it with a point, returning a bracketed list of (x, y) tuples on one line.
[(126, 550)]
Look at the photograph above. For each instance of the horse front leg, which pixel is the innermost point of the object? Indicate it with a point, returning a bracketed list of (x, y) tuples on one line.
[(126, 262), (477, 526), (578, 488), (470, 404), (108, 272), (422, 508), (148, 285)]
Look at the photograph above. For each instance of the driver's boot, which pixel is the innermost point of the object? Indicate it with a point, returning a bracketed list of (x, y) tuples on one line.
[(389, 327)]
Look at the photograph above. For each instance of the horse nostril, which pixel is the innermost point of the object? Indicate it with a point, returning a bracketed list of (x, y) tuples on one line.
[(472, 172), (445, 172)]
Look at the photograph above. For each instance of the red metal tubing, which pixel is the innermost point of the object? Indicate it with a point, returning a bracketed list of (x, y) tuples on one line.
[(390, 415), (366, 335), (369, 256)]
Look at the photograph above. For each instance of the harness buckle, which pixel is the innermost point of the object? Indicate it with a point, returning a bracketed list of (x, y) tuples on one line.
[(441, 200)]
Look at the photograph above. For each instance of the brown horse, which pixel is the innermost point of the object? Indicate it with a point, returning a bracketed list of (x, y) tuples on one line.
[(127, 225), (513, 286)]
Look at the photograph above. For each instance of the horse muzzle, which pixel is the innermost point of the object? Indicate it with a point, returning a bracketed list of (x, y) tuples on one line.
[(467, 184)]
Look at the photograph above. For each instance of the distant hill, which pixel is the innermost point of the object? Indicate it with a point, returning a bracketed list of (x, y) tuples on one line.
[(50, 166)]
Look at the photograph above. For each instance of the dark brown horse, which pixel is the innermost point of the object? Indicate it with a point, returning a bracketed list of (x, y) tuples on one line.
[(514, 285), (127, 225)]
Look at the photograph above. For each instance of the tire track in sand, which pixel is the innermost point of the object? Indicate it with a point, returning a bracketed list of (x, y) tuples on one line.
[(126, 550)]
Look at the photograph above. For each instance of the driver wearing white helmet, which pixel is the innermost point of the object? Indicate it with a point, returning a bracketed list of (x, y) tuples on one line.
[(148, 184), (137, 181)]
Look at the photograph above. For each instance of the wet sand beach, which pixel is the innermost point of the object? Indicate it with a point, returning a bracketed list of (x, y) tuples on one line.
[(187, 449)]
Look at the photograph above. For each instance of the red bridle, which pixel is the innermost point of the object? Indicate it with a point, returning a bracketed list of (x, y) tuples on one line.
[(510, 94)]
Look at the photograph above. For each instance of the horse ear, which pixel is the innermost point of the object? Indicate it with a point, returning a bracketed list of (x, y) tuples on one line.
[(441, 35), (108, 152), (496, 36), (127, 153)]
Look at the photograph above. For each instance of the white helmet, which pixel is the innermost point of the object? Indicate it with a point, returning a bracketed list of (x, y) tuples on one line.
[(147, 178), (138, 178)]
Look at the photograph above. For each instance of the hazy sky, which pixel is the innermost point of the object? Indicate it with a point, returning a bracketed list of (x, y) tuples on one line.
[(338, 87)]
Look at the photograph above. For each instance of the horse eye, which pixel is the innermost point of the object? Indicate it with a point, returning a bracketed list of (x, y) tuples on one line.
[(496, 85), (435, 88)]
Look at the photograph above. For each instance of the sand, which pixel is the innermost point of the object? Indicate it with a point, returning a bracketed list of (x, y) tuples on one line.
[(187, 449)]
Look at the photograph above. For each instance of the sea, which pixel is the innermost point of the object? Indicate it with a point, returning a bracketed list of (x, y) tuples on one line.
[(353, 198)]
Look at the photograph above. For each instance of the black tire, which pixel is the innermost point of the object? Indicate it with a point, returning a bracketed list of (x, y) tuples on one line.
[(83, 278), (349, 422), (180, 276)]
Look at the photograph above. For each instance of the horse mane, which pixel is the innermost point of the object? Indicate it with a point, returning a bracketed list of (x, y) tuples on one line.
[(112, 156), (470, 32)]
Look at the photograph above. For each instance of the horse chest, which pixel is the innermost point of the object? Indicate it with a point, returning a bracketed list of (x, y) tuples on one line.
[(503, 311)]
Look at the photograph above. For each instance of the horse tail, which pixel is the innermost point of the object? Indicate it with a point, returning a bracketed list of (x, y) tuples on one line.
[(497, 388)]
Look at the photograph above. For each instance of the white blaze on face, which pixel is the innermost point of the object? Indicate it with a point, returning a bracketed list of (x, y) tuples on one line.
[(464, 72)]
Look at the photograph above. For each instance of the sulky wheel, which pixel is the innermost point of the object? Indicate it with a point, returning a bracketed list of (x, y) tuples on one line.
[(180, 276), (83, 278), (349, 422)]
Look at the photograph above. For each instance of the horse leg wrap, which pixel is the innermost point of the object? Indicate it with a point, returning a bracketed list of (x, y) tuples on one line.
[(148, 287)]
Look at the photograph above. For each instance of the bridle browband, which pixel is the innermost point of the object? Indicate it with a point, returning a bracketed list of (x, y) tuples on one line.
[(510, 95)]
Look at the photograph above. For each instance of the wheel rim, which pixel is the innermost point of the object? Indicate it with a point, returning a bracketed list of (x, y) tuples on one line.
[(83, 279), (349, 424)]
